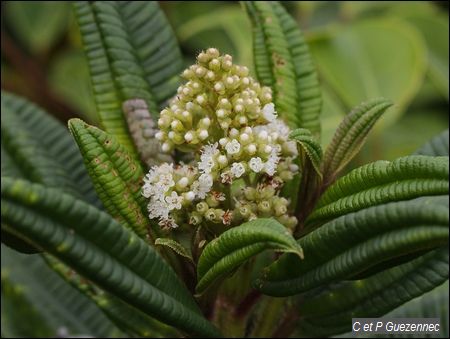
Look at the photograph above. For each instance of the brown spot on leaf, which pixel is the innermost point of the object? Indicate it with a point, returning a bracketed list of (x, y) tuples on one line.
[(278, 60)]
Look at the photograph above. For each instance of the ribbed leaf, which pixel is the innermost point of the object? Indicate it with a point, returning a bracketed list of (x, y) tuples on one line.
[(57, 303), (37, 147), (363, 241), (103, 251), (45, 151), (174, 246), (237, 245), (438, 146), (116, 175), (381, 182), (433, 304), (126, 317), (331, 311), (283, 62), (309, 145), (351, 135), (132, 53)]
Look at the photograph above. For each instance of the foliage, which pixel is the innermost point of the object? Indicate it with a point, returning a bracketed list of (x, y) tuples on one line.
[(359, 244)]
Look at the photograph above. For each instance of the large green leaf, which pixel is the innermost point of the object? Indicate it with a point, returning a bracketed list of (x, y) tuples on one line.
[(433, 24), (43, 291), (381, 182), (116, 175), (132, 53), (438, 146), (352, 61), (366, 241), (433, 304), (350, 136), (331, 310), (37, 147), (224, 26), (237, 245), (126, 317), (51, 140), (283, 62), (103, 251)]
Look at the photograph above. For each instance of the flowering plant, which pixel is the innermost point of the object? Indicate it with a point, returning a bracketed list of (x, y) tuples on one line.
[(199, 202)]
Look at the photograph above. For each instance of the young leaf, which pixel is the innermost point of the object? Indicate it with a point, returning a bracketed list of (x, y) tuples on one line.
[(351, 135), (132, 53), (103, 251), (310, 146), (359, 242), (238, 244), (116, 175), (381, 182), (438, 146), (283, 62), (174, 246)]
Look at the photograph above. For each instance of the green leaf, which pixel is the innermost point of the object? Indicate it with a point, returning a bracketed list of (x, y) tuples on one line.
[(223, 26), (310, 146), (371, 73), (116, 175), (68, 78), (51, 140), (368, 240), (43, 291), (103, 251), (433, 25), (283, 62), (28, 153), (174, 246), (126, 317), (238, 244), (433, 304), (132, 53), (38, 25), (438, 146), (381, 182), (331, 311), (351, 135)]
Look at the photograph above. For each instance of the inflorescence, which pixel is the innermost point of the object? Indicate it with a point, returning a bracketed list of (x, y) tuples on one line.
[(242, 153)]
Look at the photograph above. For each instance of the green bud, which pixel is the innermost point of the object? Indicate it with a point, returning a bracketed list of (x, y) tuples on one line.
[(195, 218), (211, 201), (214, 215), (264, 206), (250, 193), (202, 207)]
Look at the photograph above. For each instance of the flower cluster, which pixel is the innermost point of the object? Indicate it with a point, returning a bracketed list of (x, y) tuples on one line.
[(229, 121)]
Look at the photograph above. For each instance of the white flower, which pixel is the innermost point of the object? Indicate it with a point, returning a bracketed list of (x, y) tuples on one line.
[(203, 185), (271, 164), (226, 177), (174, 201), (166, 180), (291, 147), (269, 112), (206, 159), (233, 147), (256, 164), (158, 209), (168, 222), (237, 169)]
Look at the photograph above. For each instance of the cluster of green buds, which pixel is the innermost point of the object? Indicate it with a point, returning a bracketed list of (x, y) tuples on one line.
[(228, 120)]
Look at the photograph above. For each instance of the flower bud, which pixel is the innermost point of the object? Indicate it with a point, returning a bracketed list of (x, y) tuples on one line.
[(202, 207)]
